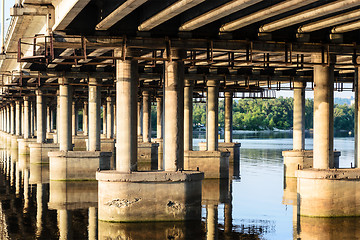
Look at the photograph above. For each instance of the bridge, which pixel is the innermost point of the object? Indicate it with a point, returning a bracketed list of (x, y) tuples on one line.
[(62, 56)]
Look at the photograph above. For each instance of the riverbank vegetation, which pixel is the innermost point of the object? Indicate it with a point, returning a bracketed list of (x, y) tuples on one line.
[(268, 114)]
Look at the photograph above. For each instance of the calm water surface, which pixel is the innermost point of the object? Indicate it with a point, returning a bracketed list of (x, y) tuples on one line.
[(258, 203)]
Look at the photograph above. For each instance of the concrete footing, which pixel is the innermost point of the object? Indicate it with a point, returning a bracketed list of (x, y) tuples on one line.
[(147, 156), (39, 173), (80, 165), (23, 145), (149, 196), (328, 192), (214, 164), (39, 152), (233, 148), (79, 142), (297, 160)]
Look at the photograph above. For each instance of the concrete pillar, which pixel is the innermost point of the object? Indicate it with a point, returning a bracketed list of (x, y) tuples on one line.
[(26, 118), (85, 119), (18, 118), (188, 115), (94, 115), (357, 118), (228, 137), (41, 120), (139, 119), (159, 117), (126, 115), (114, 118), (65, 116), (58, 116), (104, 119), (146, 116), (174, 112), (323, 116), (32, 108), (48, 119), (8, 119), (109, 118), (52, 118), (299, 116), (212, 115), (12, 118), (74, 119)]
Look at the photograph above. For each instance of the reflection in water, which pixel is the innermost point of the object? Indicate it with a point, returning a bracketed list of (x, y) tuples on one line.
[(252, 207)]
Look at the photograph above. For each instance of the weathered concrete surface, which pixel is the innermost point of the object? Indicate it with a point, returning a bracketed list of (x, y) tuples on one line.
[(296, 160), (147, 156), (126, 197), (80, 165), (79, 142), (328, 192), (39, 152), (23, 145), (73, 195), (108, 145), (232, 147), (214, 164)]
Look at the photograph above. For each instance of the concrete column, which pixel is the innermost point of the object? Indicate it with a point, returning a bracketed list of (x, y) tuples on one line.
[(32, 108), (126, 115), (109, 118), (299, 116), (159, 117), (26, 118), (114, 118), (357, 118), (85, 119), (146, 116), (65, 116), (52, 118), (228, 117), (174, 112), (212, 115), (12, 118), (41, 117), (104, 119), (23, 118), (8, 119), (58, 116), (139, 119), (18, 118), (323, 117), (94, 115), (48, 119), (74, 119), (188, 115)]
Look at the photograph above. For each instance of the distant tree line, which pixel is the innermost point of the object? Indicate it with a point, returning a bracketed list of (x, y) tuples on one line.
[(269, 114)]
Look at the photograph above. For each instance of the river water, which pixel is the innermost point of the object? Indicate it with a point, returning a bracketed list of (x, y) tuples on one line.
[(258, 202)]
